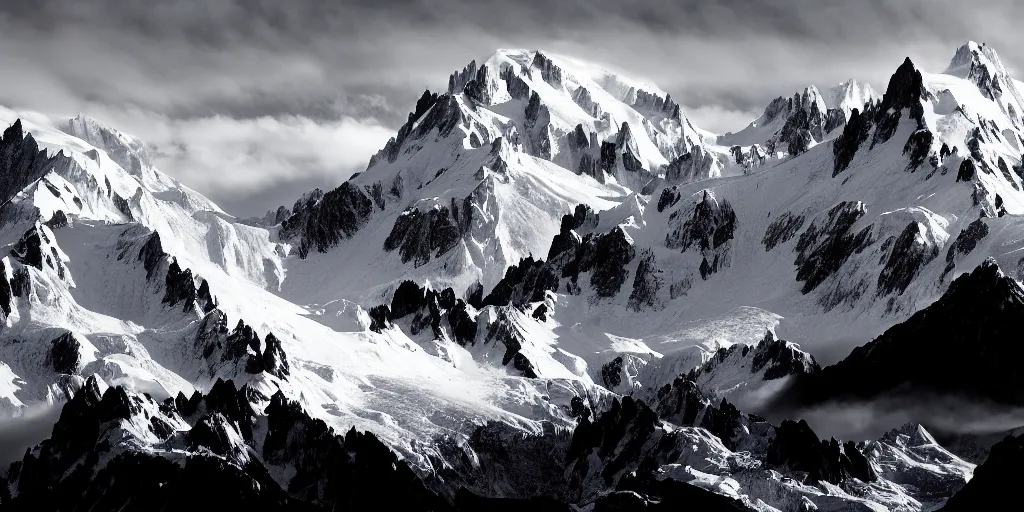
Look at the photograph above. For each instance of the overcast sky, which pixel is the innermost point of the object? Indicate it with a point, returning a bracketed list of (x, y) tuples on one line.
[(253, 102)]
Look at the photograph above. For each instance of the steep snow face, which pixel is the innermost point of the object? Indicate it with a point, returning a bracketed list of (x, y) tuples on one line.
[(850, 95), (980, 64)]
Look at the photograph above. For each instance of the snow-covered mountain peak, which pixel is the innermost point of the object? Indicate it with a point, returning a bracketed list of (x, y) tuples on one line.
[(849, 95), (973, 55), (979, 63)]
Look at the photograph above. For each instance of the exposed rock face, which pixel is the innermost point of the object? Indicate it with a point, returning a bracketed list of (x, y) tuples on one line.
[(238, 349), (965, 242), (711, 224), (905, 91), (418, 236), (696, 165), (549, 71), (995, 482), (827, 243), (21, 161), (537, 120), (957, 335), (605, 256), (65, 356), (798, 448), (708, 228), (582, 98), (911, 251), (966, 171), (918, 148), (646, 284), (334, 471), (428, 309), (771, 358), (846, 145), (337, 216), (502, 330), (6, 292), (36, 249), (458, 80), (87, 462), (782, 230), (180, 288), (651, 103)]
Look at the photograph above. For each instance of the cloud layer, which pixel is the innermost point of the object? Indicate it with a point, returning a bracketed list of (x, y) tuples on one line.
[(303, 92)]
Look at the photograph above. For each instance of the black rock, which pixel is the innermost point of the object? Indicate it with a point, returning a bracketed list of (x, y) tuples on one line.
[(826, 244), (965, 242), (964, 344), (711, 225), (6, 291), (798, 448), (994, 485), (21, 161), (918, 147), (966, 171), (846, 145), (340, 213), (29, 249), (905, 261), (275, 361), (65, 354), (782, 230)]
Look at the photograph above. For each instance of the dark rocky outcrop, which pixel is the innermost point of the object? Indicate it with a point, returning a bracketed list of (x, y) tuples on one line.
[(711, 225), (692, 166), (220, 469), (846, 145), (909, 254), (516, 86), (29, 249), (646, 283), (605, 256), (240, 348), (419, 236), (549, 71), (123, 206), (503, 330), (905, 91), (428, 309), (774, 357), (966, 171), (21, 161), (965, 242), (827, 243), (6, 291), (340, 472), (965, 344), (58, 220), (995, 484), (798, 448), (918, 147), (337, 216), (782, 230), (65, 354)]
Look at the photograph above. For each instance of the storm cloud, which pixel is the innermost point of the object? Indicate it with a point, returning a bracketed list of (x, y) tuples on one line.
[(252, 101)]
